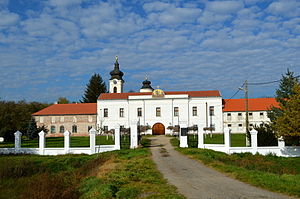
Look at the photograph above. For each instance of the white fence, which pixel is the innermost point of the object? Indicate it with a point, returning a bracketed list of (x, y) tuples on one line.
[(42, 150), (280, 150)]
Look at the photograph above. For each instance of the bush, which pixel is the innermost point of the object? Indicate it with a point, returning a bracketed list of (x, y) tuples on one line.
[(266, 135)]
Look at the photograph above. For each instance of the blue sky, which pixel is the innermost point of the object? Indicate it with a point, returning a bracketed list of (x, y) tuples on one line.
[(50, 48)]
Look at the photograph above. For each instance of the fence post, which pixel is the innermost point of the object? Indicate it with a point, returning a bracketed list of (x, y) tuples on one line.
[(117, 137), (281, 143), (133, 135), (183, 136), (253, 133), (93, 132), (200, 138), (67, 141), (18, 140), (227, 140), (41, 142)]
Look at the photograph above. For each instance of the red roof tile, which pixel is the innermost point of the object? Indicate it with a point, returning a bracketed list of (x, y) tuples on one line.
[(69, 109), (256, 104), (110, 96)]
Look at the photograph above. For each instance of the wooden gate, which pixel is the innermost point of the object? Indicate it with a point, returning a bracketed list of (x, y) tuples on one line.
[(158, 129)]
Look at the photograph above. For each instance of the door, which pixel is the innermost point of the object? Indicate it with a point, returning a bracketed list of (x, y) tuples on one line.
[(158, 129)]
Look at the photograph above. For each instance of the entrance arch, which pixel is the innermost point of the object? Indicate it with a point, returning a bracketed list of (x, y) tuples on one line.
[(158, 129)]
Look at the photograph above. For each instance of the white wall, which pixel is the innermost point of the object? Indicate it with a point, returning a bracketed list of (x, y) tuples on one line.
[(235, 120), (167, 104)]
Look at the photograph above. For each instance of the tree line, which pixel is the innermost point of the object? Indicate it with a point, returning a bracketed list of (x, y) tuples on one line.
[(17, 116)]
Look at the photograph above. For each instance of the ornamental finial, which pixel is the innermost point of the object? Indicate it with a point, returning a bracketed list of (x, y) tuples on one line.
[(117, 58)]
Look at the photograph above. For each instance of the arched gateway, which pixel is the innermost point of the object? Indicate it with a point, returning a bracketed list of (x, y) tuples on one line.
[(158, 129)]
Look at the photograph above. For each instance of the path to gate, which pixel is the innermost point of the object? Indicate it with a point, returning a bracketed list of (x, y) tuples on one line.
[(194, 180)]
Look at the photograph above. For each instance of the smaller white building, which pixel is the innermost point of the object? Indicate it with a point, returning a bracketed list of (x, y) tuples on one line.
[(234, 113)]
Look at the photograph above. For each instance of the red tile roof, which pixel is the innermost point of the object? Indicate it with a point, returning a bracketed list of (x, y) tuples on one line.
[(256, 104), (69, 109), (110, 96)]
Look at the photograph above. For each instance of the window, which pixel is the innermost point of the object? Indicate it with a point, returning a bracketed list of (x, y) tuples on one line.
[(74, 129), (228, 116), (61, 129), (53, 119), (251, 125), (115, 89), (52, 129), (121, 127), (105, 112), (62, 119), (105, 129), (74, 119), (41, 119), (89, 128), (240, 125), (139, 112), (176, 111), (211, 111), (158, 112), (240, 114), (261, 115), (121, 112), (229, 125), (251, 115), (194, 111)]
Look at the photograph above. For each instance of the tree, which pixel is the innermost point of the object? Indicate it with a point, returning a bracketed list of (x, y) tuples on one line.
[(94, 88), (63, 100), (284, 92), (288, 124), (266, 135), (32, 131)]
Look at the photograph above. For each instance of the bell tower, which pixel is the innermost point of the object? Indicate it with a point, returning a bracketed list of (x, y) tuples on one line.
[(116, 81)]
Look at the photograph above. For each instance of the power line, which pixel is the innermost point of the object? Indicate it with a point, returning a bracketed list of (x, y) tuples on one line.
[(236, 92), (270, 82)]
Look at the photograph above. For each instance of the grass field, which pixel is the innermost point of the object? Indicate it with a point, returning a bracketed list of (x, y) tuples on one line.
[(277, 174), (117, 174), (237, 140), (58, 142)]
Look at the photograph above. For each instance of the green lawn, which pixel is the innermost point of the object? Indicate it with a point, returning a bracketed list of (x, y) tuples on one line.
[(237, 140), (124, 174), (58, 142), (277, 174)]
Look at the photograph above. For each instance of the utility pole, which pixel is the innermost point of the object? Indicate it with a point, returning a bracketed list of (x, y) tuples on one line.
[(246, 105)]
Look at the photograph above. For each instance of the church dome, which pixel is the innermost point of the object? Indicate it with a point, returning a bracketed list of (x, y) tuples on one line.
[(146, 86), (116, 73)]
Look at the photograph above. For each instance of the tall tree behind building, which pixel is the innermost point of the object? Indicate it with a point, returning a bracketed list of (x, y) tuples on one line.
[(284, 92), (94, 88)]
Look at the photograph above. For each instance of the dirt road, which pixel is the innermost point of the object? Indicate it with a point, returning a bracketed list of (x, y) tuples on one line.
[(196, 181)]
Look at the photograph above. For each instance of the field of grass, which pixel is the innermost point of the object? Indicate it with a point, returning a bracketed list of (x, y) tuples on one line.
[(270, 172), (117, 174), (237, 140), (58, 142)]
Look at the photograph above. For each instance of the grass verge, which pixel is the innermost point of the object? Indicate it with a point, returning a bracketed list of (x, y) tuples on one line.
[(270, 172), (118, 174)]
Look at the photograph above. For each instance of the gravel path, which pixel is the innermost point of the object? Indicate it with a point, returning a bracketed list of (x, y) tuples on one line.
[(194, 180)]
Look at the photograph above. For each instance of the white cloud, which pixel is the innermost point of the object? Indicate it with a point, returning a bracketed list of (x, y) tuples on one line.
[(156, 6), (8, 18), (285, 8), (224, 7), (64, 3)]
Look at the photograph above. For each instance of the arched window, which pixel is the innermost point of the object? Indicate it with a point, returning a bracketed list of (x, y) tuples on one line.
[(52, 130), (74, 129), (115, 89), (61, 129)]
